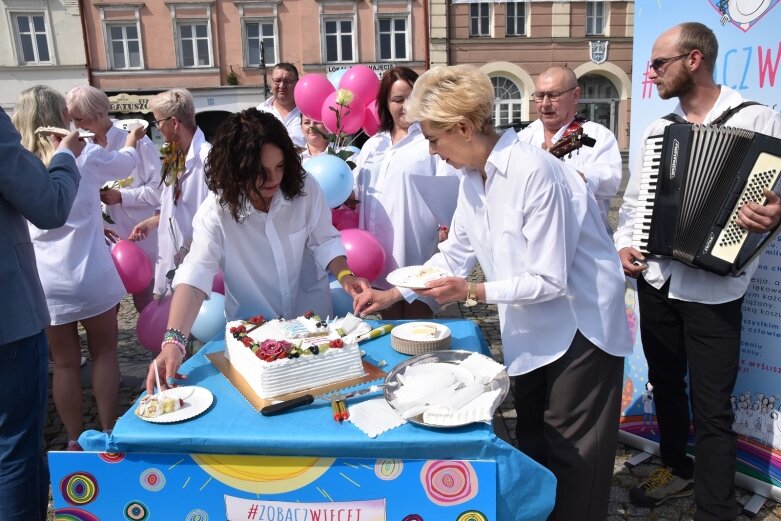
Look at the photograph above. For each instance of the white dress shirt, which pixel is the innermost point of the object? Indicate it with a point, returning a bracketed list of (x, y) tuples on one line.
[(74, 263), (601, 164), (142, 197), (176, 220), (262, 258), (292, 121), (549, 264), (687, 283), (392, 207)]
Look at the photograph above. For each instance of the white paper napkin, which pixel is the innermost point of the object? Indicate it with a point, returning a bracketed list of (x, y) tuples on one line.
[(479, 409), (483, 368), (374, 417)]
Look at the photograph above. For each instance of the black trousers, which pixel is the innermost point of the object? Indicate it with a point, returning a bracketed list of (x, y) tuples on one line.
[(567, 421), (702, 340)]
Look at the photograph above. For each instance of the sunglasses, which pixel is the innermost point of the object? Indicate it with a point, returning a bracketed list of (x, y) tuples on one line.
[(661, 62)]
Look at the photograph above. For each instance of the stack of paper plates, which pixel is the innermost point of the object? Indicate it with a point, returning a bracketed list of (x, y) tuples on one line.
[(416, 338)]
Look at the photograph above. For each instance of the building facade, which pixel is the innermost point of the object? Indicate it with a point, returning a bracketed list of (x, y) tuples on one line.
[(513, 42), (40, 43)]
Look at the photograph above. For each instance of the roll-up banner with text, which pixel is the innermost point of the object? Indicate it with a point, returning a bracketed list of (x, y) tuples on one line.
[(749, 61)]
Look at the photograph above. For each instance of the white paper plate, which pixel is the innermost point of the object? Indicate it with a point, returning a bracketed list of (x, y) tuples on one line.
[(196, 401), (404, 332), (63, 131), (415, 277), (130, 124)]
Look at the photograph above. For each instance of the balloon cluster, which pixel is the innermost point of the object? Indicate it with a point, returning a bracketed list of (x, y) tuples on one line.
[(345, 102)]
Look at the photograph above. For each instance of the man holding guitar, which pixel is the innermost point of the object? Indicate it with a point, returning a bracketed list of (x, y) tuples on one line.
[(588, 147)]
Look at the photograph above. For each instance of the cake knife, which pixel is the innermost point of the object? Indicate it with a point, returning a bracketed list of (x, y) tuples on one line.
[(276, 408)]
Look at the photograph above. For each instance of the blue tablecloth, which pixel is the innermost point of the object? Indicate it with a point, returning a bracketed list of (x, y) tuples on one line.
[(525, 491)]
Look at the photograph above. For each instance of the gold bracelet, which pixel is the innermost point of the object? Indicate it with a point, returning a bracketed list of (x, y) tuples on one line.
[(343, 274)]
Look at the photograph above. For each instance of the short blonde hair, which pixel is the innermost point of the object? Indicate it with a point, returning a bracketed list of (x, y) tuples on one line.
[(446, 96), (175, 103), (88, 101), (39, 106)]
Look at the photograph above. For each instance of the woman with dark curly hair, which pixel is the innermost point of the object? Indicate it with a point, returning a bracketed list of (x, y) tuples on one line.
[(264, 218)]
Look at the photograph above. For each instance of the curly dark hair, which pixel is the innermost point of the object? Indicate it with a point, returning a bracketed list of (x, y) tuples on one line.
[(233, 167), (388, 79)]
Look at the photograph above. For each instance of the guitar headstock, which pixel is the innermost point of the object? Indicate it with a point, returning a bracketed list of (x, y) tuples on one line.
[(571, 142)]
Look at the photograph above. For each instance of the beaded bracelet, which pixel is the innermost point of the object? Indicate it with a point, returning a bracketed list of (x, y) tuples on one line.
[(174, 334), (176, 343)]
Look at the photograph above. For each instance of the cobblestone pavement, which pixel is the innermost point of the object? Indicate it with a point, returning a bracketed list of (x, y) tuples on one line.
[(134, 360)]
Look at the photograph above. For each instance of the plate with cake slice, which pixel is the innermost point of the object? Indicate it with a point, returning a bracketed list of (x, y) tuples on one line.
[(415, 277), (62, 132), (174, 405), (129, 125)]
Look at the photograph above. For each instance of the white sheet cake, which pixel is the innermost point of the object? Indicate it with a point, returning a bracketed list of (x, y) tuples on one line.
[(284, 356)]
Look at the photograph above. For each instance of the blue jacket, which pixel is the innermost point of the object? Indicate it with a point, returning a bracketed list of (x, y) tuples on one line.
[(28, 191)]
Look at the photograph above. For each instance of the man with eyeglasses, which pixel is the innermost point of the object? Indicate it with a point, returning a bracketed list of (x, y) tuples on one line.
[(690, 319), (282, 104), (556, 94)]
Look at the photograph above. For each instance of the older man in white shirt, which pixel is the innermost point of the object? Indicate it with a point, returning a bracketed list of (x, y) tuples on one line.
[(557, 94), (282, 104)]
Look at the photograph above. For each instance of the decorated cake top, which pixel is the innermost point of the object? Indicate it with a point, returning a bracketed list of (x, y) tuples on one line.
[(287, 339)]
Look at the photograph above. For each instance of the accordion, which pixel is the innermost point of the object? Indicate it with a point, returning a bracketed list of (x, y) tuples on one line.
[(694, 180)]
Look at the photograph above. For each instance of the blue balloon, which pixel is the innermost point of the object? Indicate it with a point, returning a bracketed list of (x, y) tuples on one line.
[(211, 318), (336, 76), (342, 302), (352, 148), (334, 177)]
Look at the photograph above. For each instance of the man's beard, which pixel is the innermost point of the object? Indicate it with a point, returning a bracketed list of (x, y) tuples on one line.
[(681, 85)]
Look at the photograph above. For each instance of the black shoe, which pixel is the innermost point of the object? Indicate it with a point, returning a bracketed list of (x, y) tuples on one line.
[(660, 486)]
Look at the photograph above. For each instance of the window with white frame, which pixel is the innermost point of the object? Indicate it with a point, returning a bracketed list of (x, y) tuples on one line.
[(339, 39), (515, 19), (480, 19), (194, 44), (124, 46), (508, 104), (392, 39), (260, 35), (595, 18), (32, 37)]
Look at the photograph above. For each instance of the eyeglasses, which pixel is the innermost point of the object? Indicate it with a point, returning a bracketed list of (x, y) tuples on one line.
[(286, 81), (661, 62), (158, 121), (552, 95)]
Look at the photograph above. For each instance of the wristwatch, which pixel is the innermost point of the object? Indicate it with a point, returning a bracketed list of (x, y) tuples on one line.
[(471, 295)]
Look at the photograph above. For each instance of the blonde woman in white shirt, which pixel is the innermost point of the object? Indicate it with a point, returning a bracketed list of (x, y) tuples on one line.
[(264, 217), (392, 207), (138, 197), (183, 184), (550, 267), (78, 276)]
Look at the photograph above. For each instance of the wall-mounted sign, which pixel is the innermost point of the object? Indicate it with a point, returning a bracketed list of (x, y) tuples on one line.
[(379, 68), (127, 103), (598, 51)]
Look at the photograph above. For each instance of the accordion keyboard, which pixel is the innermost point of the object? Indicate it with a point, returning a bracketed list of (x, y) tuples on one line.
[(649, 182)]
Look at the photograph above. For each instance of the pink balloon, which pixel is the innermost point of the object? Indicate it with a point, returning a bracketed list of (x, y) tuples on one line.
[(344, 218), (362, 81), (218, 284), (371, 119), (365, 255), (152, 323), (311, 91), (132, 265), (351, 115)]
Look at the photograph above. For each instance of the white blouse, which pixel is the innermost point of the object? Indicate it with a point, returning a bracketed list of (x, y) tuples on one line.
[(268, 260), (549, 264), (176, 219), (74, 263), (141, 198), (601, 164), (392, 207)]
